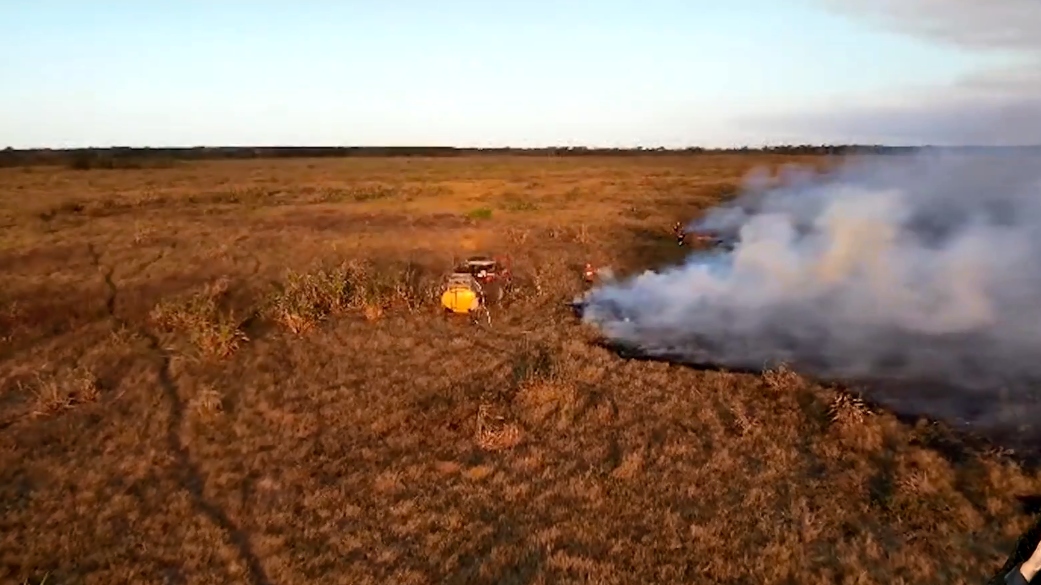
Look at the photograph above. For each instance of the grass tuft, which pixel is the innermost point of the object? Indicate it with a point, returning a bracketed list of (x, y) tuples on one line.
[(783, 379), (208, 402), (494, 432), (306, 299), (63, 391), (848, 409), (210, 327)]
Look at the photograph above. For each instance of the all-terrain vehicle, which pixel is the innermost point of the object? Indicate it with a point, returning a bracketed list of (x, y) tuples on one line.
[(493, 273), (474, 284)]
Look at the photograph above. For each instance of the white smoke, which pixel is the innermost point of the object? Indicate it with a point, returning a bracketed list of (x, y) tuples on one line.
[(919, 273)]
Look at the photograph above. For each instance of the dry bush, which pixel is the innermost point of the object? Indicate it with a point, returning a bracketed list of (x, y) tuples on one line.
[(10, 320), (580, 234), (308, 298), (536, 283), (376, 288), (210, 327), (208, 402), (372, 192), (548, 280), (783, 379), (574, 234), (60, 392), (848, 409), (518, 236), (494, 432), (356, 193), (123, 337), (142, 234), (410, 289)]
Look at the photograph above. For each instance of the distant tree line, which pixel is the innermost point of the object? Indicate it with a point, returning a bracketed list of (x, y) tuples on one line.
[(127, 157)]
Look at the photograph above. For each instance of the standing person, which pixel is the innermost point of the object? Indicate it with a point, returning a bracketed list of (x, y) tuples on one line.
[(595, 276), (680, 232)]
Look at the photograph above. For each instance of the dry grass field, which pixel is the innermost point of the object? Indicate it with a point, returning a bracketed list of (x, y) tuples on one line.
[(235, 372)]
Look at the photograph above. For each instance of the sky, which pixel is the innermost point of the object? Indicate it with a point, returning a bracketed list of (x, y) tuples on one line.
[(615, 73)]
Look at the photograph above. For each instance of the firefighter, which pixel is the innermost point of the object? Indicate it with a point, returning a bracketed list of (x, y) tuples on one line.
[(593, 275), (680, 233), (589, 274)]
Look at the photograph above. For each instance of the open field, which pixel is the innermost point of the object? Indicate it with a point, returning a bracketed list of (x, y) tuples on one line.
[(235, 372)]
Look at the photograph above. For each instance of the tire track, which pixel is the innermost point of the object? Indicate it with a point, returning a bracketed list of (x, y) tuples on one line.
[(186, 473), (149, 263)]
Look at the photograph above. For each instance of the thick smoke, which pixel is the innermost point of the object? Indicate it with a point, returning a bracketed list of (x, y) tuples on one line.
[(918, 275)]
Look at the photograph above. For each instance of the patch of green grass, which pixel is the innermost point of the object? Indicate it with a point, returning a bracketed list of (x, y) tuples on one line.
[(479, 213)]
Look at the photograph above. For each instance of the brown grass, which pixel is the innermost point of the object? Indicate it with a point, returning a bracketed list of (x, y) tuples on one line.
[(236, 372), (210, 327)]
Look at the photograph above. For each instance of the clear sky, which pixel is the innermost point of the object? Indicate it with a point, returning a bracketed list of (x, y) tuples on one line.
[(451, 72)]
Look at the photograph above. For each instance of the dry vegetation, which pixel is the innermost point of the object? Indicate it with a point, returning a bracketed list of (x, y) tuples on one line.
[(235, 372)]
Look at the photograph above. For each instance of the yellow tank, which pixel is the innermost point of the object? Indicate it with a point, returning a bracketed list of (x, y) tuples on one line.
[(461, 294), (460, 300)]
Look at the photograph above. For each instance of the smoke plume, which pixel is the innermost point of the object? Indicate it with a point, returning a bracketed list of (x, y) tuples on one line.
[(919, 276)]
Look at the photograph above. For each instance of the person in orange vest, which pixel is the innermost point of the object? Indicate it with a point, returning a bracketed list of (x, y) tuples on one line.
[(589, 273), (593, 275)]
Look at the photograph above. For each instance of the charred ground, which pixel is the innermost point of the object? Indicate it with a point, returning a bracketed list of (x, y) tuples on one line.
[(235, 372)]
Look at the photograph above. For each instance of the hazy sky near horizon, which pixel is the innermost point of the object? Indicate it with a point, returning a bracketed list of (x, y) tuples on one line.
[(532, 73)]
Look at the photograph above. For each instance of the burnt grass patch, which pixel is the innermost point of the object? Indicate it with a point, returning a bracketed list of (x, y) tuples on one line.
[(957, 445)]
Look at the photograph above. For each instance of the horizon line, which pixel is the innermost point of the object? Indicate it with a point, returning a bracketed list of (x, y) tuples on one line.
[(449, 147)]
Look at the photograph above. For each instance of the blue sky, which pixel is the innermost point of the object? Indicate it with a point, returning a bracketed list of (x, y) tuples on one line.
[(457, 72)]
